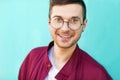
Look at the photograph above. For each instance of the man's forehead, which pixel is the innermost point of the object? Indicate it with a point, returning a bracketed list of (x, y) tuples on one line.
[(69, 10)]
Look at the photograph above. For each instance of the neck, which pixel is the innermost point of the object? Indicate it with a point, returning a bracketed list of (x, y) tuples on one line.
[(62, 55)]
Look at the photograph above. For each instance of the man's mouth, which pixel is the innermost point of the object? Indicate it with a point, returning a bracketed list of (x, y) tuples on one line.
[(65, 37)]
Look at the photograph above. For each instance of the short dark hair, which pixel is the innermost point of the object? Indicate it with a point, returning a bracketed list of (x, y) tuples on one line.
[(63, 2)]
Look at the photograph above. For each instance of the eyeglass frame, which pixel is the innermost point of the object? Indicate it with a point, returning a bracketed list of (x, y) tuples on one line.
[(68, 22)]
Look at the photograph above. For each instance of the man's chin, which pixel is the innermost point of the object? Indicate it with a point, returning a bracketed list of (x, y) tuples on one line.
[(64, 45)]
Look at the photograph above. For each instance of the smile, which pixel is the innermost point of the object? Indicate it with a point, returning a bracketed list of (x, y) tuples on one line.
[(64, 37)]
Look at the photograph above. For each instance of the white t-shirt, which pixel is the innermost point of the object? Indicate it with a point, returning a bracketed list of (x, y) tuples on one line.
[(53, 71)]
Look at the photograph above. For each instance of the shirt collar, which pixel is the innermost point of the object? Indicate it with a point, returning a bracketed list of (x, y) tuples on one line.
[(69, 67)]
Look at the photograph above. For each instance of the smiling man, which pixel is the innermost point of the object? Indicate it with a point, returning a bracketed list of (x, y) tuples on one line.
[(62, 59)]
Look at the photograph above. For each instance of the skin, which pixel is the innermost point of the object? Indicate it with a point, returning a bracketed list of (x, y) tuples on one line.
[(65, 39)]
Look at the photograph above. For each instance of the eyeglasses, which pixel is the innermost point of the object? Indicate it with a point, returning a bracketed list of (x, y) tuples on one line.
[(74, 23)]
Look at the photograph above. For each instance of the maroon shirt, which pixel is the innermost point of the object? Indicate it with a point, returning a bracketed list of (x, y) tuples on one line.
[(79, 67)]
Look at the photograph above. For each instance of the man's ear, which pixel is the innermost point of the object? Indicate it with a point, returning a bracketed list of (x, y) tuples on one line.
[(84, 24), (49, 22)]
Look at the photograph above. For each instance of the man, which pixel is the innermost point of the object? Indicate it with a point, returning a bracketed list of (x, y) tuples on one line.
[(63, 59)]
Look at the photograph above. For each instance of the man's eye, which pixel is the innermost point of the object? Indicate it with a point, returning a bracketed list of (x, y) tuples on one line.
[(58, 19), (74, 20)]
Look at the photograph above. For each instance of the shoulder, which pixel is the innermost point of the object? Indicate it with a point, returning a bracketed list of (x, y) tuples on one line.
[(89, 60), (34, 56), (38, 51), (90, 63), (35, 53), (92, 68), (32, 60)]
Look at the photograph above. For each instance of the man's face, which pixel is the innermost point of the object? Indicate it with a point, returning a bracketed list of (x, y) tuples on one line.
[(65, 37)]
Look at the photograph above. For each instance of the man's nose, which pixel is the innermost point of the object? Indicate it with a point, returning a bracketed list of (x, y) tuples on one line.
[(65, 26)]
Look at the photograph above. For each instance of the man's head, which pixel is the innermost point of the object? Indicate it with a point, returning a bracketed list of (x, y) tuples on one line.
[(67, 20), (64, 2)]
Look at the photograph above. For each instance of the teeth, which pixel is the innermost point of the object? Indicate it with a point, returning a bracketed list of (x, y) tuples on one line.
[(66, 36)]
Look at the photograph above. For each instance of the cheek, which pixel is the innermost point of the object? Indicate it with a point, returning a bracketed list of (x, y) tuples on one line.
[(78, 33), (52, 31)]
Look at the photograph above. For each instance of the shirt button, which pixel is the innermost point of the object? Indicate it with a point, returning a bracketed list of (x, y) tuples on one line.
[(48, 65)]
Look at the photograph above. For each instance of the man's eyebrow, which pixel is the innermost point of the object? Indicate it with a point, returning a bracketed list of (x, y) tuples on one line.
[(78, 17), (56, 16), (75, 17)]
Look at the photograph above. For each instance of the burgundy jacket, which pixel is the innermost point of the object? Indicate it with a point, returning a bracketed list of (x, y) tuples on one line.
[(79, 67)]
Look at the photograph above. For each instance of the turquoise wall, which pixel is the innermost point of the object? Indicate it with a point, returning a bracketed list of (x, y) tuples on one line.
[(23, 26)]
